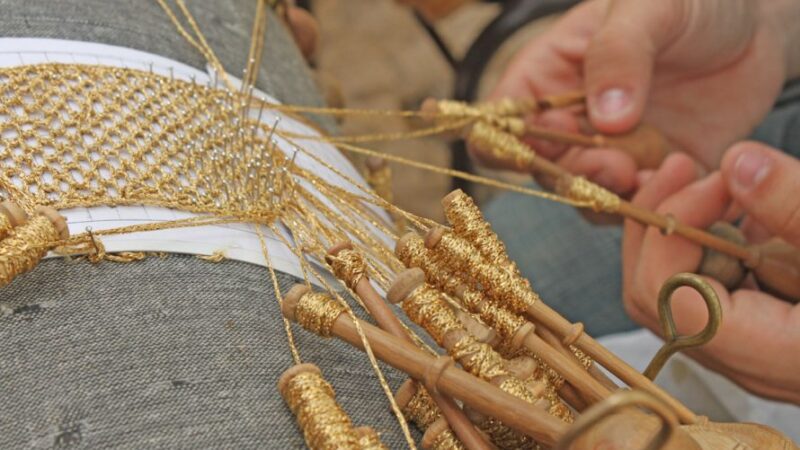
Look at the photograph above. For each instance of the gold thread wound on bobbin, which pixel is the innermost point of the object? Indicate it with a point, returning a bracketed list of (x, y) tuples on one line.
[(505, 287), (500, 145), (316, 312), (469, 223), (581, 190), (324, 423), (348, 265), (26, 246)]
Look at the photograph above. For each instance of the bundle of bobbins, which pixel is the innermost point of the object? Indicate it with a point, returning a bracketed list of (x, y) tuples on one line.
[(613, 422), (27, 239), (324, 423), (496, 132), (349, 266)]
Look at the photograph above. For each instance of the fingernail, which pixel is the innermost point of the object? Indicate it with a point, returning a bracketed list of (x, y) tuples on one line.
[(750, 169), (612, 103)]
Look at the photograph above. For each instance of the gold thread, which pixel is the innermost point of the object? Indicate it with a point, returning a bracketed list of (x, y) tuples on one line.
[(25, 247), (505, 287), (348, 265), (582, 190), (368, 439), (324, 423), (316, 313), (500, 145)]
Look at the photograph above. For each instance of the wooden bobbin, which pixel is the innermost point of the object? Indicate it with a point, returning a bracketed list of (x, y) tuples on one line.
[(556, 323), (480, 395), (292, 372), (778, 269), (438, 437), (58, 221), (388, 321), (724, 268)]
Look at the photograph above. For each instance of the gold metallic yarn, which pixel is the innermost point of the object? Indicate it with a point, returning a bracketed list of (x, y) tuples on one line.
[(505, 438), (582, 190), (5, 226), (504, 286), (421, 409), (469, 223), (479, 359), (25, 247), (426, 308), (380, 180), (499, 114), (316, 312), (349, 266), (446, 440), (368, 439), (500, 145), (81, 135), (324, 423)]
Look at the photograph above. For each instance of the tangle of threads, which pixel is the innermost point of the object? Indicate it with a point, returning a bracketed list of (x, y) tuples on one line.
[(25, 247), (325, 425), (580, 189), (501, 145), (426, 308), (368, 439), (316, 312), (504, 286), (349, 266)]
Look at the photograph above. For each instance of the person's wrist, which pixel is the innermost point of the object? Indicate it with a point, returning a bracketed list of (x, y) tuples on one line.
[(783, 17)]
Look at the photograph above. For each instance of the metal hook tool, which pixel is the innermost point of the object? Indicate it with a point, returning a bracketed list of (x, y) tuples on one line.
[(674, 342)]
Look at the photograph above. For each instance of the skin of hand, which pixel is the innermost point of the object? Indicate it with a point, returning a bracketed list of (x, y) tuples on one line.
[(704, 72), (759, 333)]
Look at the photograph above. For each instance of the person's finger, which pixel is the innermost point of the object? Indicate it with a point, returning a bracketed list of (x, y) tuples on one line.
[(677, 171), (766, 183), (619, 63), (699, 205), (550, 63), (610, 168), (557, 119)]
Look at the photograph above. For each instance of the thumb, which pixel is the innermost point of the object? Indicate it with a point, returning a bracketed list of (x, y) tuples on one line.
[(618, 64), (766, 183)]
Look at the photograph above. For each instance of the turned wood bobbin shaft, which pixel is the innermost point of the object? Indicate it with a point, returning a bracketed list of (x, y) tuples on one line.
[(474, 392)]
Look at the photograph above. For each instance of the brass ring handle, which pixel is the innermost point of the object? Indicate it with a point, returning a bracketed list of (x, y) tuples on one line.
[(674, 342), (616, 402)]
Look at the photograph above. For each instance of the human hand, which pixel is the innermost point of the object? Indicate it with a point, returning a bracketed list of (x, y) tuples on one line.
[(704, 72), (757, 330)]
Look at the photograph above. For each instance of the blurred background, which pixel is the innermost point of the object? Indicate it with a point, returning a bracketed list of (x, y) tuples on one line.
[(384, 54)]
